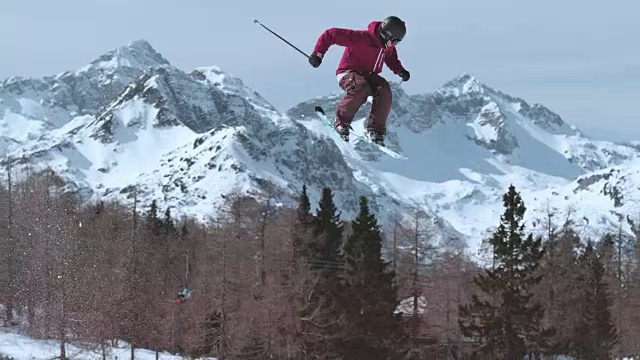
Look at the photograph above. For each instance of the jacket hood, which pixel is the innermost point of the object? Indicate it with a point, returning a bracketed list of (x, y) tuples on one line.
[(374, 30)]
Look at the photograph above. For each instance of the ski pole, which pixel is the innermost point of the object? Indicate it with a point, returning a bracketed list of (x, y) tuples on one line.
[(281, 38)]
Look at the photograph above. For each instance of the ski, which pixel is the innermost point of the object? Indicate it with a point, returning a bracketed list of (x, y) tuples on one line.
[(347, 146), (321, 114)]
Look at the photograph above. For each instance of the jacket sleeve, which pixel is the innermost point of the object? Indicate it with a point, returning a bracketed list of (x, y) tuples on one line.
[(393, 63), (338, 36)]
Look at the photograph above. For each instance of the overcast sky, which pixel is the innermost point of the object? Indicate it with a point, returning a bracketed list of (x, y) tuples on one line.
[(578, 57)]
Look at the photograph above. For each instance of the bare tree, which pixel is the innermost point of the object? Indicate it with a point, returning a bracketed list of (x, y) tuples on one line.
[(7, 256), (414, 255), (12, 247), (31, 200), (450, 284), (224, 280), (53, 227), (105, 234), (394, 243), (559, 289)]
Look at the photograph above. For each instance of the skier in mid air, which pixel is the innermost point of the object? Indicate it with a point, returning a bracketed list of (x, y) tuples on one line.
[(359, 72)]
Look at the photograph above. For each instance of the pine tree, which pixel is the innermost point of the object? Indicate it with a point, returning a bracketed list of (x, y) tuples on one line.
[(327, 229), (596, 331), (303, 223), (319, 240), (168, 227), (153, 222), (505, 318), (370, 296), (304, 208)]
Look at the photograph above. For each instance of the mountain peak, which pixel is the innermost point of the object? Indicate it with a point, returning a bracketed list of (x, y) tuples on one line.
[(461, 85), (230, 84), (138, 54), (141, 45)]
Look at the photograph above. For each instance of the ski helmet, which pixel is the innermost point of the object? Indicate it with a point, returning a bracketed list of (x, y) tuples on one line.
[(393, 29)]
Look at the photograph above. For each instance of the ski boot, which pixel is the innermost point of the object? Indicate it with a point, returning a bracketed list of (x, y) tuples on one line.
[(376, 137), (342, 129)]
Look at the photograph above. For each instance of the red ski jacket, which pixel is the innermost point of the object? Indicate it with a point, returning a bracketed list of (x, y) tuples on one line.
[(364, 49)]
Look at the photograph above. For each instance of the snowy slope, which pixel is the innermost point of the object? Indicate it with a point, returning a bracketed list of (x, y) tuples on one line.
[(20, 347), (185, 138)]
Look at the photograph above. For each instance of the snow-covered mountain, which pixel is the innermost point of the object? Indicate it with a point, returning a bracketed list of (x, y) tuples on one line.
[(186, 138), (32, 107), (467, 142), (182, 138)]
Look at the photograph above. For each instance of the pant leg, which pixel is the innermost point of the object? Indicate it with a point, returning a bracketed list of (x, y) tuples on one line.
[(381, 105), (357, 91)]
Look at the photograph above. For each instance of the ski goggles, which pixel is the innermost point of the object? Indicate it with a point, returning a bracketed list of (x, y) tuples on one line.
[(389, 37)]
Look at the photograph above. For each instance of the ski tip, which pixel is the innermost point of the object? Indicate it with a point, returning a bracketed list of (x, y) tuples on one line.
[(319, 109), (255, 20)]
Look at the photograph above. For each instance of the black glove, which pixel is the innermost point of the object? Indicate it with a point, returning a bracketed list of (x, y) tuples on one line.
[(315, 60), (404, 75)]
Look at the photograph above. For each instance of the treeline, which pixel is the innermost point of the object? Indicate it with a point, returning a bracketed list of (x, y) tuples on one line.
[(305, 283)]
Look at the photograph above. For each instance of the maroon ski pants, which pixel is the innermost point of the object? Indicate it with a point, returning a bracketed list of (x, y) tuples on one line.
[(358, 87)]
